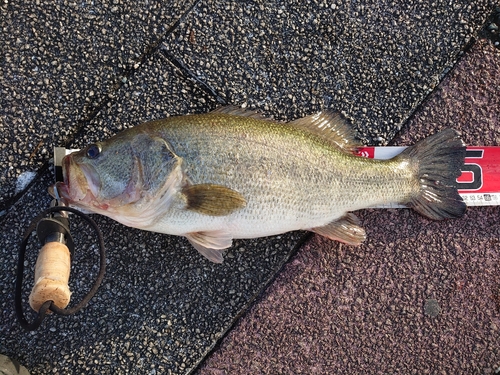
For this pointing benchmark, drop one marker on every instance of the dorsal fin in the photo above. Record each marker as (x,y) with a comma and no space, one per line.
(238,111)
(330,126)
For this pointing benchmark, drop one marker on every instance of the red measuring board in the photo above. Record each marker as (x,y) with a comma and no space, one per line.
(479,184)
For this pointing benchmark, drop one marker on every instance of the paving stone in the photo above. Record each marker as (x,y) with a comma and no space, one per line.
(419,296)
(61,62)
(71,76)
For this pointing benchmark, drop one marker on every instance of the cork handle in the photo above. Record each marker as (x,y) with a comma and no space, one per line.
(51,276)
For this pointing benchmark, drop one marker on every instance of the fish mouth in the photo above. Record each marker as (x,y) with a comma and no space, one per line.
(81,183)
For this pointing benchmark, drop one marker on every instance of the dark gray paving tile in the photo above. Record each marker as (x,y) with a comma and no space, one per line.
(60,63)
(374,61)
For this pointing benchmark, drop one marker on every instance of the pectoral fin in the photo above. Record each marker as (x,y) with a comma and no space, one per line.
(346,229)
(212,200)
(210,244)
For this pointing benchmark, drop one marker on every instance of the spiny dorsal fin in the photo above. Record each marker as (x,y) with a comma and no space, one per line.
(330,126)
(238,111)
(212,200)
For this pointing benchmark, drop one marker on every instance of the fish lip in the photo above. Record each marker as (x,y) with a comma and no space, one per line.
(75,188)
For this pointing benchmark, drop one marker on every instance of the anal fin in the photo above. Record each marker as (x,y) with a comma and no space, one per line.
(210,244)
(346,230)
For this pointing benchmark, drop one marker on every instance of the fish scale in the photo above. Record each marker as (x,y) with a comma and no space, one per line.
(293,181)
(232,174)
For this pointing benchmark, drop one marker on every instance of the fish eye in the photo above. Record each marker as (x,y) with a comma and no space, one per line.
(93,151)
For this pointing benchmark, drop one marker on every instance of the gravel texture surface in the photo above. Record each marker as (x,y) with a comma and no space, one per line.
(61,62)
(419,297)
(372,60)
(75,72)
(161,306)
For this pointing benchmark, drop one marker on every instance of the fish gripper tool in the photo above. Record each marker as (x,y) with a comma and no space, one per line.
(50,292)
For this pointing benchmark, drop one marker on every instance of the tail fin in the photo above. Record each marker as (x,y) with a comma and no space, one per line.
(440,158)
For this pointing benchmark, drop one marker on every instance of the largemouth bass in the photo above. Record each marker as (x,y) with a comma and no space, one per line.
(232,174)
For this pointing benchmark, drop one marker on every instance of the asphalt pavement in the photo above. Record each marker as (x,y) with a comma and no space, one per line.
(419,297)
(77,72)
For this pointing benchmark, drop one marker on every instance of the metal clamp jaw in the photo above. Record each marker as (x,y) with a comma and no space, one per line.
(55,228)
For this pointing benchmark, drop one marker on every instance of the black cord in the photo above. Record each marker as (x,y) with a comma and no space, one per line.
(49,305)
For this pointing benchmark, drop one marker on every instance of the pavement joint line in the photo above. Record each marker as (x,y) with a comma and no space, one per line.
(412,113)
(483,33)
(189,75)
(256,298)
(93,110)
(10,202)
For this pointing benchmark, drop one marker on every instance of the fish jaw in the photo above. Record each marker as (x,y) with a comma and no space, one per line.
(80,186)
